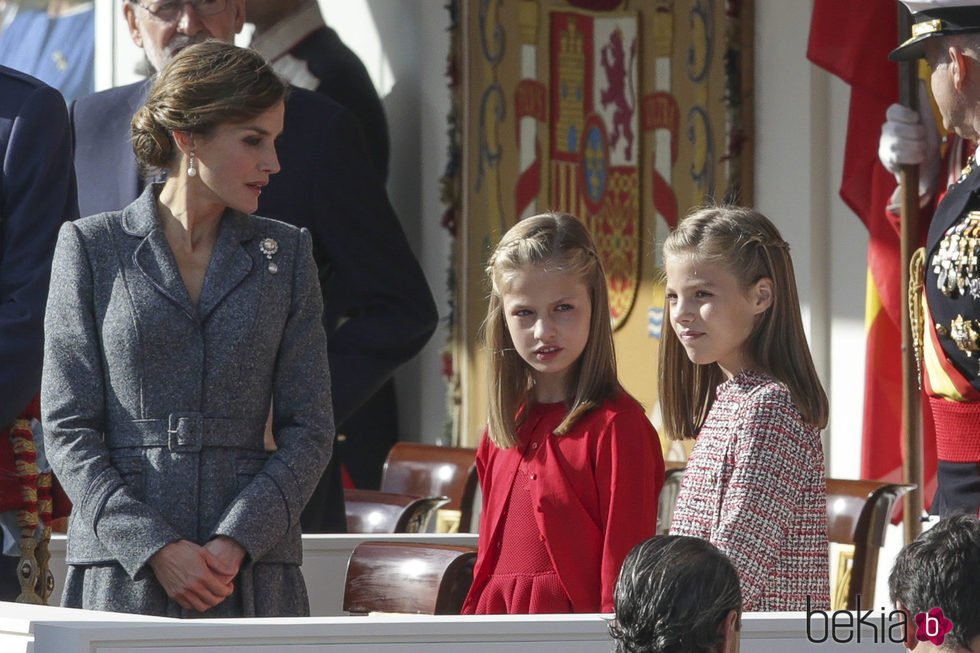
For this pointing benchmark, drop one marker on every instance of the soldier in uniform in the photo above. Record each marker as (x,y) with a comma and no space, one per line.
(37,194)
(946,313)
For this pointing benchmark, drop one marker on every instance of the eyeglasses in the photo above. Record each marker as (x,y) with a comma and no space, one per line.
(169,10)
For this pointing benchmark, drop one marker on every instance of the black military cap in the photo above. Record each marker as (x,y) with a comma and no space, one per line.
(934,18)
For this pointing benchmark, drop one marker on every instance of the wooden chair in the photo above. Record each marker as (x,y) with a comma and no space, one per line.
(408,577)
(371,511)
(432,470)
(673,475)
(857,514)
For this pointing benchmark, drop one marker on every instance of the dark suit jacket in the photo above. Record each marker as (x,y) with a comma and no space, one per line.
(343,78)
(378,310)
(366,437)
(37,194)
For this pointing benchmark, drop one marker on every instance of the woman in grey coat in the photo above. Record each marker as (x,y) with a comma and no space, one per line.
(170,328)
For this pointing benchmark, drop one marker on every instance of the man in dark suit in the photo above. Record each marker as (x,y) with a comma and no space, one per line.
(293,38)
(378,310)
(37,194)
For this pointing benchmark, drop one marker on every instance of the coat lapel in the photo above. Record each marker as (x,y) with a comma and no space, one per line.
(153,256)
(230,262)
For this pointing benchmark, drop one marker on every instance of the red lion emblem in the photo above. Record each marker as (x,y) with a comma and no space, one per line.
(620,91)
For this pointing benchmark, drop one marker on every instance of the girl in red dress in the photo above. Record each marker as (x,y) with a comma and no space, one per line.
(570,466)
(738,376)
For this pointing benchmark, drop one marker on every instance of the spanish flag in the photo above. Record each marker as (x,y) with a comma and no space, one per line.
(852,40)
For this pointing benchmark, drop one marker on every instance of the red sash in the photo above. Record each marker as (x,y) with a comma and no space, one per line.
(957,418)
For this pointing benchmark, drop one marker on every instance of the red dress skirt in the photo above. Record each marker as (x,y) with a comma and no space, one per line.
(524,579)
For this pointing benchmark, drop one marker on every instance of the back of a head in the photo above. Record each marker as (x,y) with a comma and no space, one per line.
(203,86)
(941,569)
(673,595)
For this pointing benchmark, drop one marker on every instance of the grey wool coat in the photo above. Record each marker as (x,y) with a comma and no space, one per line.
(154,409)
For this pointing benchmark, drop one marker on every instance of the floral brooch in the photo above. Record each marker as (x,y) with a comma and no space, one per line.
(269,247)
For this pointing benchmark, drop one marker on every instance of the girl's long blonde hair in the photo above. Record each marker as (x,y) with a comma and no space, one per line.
(562,243)
(745,242)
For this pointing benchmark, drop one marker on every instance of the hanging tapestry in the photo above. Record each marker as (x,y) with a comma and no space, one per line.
(625,113)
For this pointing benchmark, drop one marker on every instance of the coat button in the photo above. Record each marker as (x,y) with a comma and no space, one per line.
(533,477)
(534,445)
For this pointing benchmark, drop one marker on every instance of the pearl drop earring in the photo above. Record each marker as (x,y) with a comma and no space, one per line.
(191,169)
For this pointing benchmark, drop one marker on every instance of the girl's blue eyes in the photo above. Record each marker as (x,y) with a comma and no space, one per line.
(524,312)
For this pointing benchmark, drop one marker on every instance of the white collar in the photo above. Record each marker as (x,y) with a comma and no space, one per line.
(288,32)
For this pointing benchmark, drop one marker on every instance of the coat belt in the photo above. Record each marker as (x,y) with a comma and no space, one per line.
(185,433)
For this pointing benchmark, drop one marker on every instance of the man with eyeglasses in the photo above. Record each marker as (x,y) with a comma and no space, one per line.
(172,25)
(379,311)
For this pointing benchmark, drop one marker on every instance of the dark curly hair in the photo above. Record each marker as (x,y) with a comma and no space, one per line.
(672,595)
(940,568)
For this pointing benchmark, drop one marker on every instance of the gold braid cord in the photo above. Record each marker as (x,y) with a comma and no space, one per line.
(916,287)
(45,508)
(29,571)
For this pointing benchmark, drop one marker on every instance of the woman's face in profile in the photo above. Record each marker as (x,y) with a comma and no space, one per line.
(236,160)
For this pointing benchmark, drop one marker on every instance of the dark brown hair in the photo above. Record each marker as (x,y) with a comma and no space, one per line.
(205,85)
(939,569)
(672,595)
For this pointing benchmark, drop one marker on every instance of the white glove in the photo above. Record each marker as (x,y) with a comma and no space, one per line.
(907,140)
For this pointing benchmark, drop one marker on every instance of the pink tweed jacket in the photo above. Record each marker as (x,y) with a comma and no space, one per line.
(755,487)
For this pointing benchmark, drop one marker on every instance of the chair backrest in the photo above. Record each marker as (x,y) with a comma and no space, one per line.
(371,511)
(432,470)
(408,577)
(857,513)
(673,475)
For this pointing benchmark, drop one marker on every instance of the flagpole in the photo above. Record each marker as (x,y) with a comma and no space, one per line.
(911,412)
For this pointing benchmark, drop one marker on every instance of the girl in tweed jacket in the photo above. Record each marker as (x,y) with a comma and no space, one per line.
(739,378)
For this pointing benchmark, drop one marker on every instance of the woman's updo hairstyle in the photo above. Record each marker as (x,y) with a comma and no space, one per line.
(205,85)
